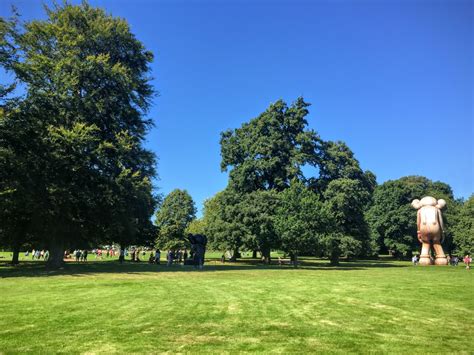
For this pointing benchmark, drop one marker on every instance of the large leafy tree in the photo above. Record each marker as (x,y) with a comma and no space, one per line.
(346,200)
(392,219)
(256,211)
(337,161)
(87,94)
(223,226)
(301,220)
(263,156)
(173,218)
(464,229)
(270,150)
(244,220)
(347,191)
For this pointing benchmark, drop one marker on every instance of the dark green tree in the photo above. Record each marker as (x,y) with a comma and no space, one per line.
(87,94)
(463,231)
(301,220)
(270,150)
(223,226)
(347,192)
(392,219)
(245,220)
(346,201)
(256,211)
(172,219)
(337,161)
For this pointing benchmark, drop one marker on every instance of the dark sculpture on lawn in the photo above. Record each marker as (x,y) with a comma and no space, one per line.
(198,248)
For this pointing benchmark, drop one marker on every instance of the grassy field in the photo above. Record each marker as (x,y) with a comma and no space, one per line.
(358,307)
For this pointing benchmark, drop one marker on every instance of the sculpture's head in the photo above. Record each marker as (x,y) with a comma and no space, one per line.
(428,201)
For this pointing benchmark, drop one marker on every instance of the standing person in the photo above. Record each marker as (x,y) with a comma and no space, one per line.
(180,256)
(151,259)
(467,261)
(170,257)
(137,256)
(37,255)
(77,254)
(157,256)
(185,255)
(84,255)
(132,255)
(122,255)
(42,254)
(414,260)
(46,255)
(33,254)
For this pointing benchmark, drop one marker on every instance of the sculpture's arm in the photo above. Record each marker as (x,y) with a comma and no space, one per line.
(418,223)
(441,224)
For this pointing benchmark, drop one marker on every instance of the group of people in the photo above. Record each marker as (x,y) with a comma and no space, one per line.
(38,254)
(452,260)
(176,256)
(79,255)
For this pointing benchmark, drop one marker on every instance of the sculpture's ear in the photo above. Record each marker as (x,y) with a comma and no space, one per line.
(441,203)
(416,204)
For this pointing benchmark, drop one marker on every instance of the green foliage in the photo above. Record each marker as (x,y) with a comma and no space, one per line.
(236,220)
(347,192)
(173,218)
(256,211)
(87,94)
(196,226)
(464,228)
(223,227)
(393,220)
(346,200)
(269,151)
(300,220)
(337,161)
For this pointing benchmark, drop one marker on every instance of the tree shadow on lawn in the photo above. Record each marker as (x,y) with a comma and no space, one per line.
(38,269)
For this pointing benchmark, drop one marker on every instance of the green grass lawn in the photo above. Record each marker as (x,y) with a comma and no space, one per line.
(378,306)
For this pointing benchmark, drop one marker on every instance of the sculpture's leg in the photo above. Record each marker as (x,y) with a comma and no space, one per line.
(440,257)
(425,254)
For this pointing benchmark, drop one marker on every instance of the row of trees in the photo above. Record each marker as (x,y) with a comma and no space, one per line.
(270,204)
(73,170)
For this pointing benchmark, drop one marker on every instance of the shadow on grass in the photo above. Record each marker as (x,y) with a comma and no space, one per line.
(38,269)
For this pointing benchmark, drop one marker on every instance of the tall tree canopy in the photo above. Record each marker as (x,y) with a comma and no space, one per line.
(87,94)
(270,150)
(347,192)
(392,219)
(173,218)
(464,228)
(242,220)
(301,220)
(223,227)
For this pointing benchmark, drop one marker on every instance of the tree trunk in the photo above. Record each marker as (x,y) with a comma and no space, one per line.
(334,258)
(16,254)
(235,255)
(266,256)
(56,255)
(295,260)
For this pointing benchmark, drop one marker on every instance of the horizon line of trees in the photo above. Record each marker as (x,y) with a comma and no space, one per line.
(74,171)
(269,204)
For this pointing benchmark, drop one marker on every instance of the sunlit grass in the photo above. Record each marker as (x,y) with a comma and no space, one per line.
(380,306)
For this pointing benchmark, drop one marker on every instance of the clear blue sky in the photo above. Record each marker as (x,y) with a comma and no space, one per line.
(386,77)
